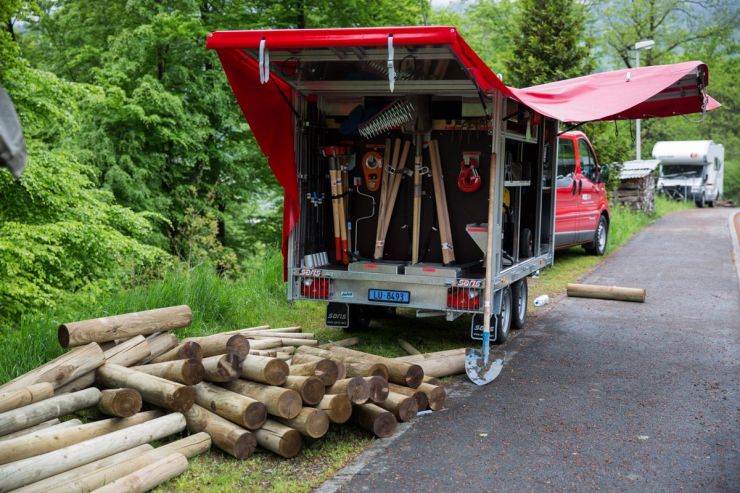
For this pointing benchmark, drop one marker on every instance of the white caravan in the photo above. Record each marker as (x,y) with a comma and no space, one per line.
(691,170)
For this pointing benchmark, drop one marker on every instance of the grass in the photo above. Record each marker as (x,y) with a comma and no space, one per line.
(259,298)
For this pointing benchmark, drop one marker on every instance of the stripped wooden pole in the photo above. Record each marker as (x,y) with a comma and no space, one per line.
(237,408)
(229,437)
(160,343)
(310,422)
(279,438)
(184,371)
(311,389)
(279,401)
(375,419)
(337,406)
(52,424)
(149,476)
(356,388)
(121,403)
(13,399)
(54,407)
(155,390)
(223,368)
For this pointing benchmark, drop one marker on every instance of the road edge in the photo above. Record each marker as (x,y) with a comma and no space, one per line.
(735,242)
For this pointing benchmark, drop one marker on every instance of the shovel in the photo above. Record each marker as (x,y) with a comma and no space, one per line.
(479,366)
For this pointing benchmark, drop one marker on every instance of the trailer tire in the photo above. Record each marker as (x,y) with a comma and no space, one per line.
(519,300)
(505,316)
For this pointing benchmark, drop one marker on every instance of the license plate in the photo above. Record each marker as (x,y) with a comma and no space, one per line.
(388,296)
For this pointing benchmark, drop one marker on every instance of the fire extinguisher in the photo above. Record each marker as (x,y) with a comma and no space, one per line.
(469,180)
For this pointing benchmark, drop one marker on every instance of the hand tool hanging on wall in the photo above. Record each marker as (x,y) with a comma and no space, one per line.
(391,116)
(469,180)
(372,169)
(394,182)
(338,195)
(416,218)
(385,186)
(440,200)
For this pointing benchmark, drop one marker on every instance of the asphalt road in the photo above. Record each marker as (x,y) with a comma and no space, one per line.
(599,395)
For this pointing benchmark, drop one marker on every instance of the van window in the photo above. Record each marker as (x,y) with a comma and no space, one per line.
(566,158)
(588,161)
(716,163)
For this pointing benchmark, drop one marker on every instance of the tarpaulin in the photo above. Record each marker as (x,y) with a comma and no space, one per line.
(646,92)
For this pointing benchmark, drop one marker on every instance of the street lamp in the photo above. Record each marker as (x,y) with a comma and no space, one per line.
(646,44)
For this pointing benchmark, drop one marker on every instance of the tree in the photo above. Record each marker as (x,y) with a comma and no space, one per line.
(549,43)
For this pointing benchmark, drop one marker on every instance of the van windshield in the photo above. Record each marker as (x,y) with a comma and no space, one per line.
(689,170)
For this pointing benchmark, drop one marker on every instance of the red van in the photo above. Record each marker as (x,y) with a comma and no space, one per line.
(581,207)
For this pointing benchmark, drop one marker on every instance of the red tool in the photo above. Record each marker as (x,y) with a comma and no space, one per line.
(372,168)
(469,180)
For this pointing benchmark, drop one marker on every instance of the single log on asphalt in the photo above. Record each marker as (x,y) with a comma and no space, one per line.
(149,476)
(403,407)
(159,344)
(606,292)
(13,399)
(324,369)
(184,350)
(356,388)
(154,390)
(124,326)
(54,407)
(415,358)
(61,370)
(337,406)
(27,471)
(279,401)
(422,401)
(44,441)
(400,372)
(216,344)
(237,408)
(229,437)
(310,422)
(52,424)
(271,371)
(128,353)
(378,388)
(120,403)
(92,475)
(280,439)
(311,389)
(374,419)
(436,395)
(184,371)
(223,368)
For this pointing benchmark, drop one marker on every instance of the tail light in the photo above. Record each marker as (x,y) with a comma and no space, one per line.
(315,288)
(463,298)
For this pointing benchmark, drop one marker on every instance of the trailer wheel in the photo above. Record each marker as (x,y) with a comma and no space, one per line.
(359,318)
(519,299)
(504,318)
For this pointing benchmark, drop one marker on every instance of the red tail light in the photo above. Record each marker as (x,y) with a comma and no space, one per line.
(316,288)
(463,299)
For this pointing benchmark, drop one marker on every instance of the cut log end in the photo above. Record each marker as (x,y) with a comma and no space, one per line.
(289,404)
(276,372)
(414,376)
(183,399)
(192,372)
(63,335)
(244,446)
(378,388)
(407,409)
(121,403)
(317,423)
(337,406)
(290,444)
(190,350)
(239,345)
(255,415)
(313,391)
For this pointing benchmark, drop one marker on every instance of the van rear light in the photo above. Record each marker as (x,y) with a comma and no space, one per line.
(463,298)
(315,288)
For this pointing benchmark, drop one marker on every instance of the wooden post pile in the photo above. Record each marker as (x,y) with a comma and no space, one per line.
(239,389)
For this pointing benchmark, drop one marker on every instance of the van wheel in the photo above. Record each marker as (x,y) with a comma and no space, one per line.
(598,245)
(504,318)
(700,203)
(359,318)
(710,203)
(519,298)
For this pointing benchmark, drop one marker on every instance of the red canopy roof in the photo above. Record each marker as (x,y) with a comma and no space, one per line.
(646,92)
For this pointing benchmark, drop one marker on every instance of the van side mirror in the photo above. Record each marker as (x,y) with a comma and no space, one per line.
(603,173)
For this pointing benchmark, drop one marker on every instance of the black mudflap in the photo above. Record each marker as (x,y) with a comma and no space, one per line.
(337,315)
(476,327)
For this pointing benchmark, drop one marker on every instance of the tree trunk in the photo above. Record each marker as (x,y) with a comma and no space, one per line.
(237,408)
(184,371)
(227,436)
(41,411)
(280,439)
(337,406)
(120,403)
(356,388)
(23,397)
(311,389)
(374,419)
(310,422)
(279,401)
(154,390)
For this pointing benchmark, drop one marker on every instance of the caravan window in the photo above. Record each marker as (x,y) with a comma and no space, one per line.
(681,170)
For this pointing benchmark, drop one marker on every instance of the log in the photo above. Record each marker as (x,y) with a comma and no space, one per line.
(422,401)
(26,471)
(408,347)
(121,403)
(217,344)
(374,419)
(445,366)
(189,446)
(436,395)
(404,408)
(265,344)
(338,407)
(415,358)
(350,341)
(280,335)
(250,329)
(229,437)
(129,352)
(52,424)
(149,476)
(378,388)
(124,326)
(432,380)
(399,372)
(280,439)
(290,341)
(54,407)
(279,401)
(224,368)
(606,292)
(354,366)
(311,389)
(184,371)
(184,350)
(154,390)
(159,344)
(271,371)
(356,388)
(45,441)
(324,369)
(310,422)
(61,370)
(13,399)
(237,408)
(286,349)
(263,352)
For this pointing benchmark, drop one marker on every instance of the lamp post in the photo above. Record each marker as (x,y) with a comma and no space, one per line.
(640,45)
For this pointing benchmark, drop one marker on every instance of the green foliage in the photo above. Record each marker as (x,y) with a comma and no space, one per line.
(549,42)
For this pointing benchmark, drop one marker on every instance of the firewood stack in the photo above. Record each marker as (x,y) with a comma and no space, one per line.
(260,386)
